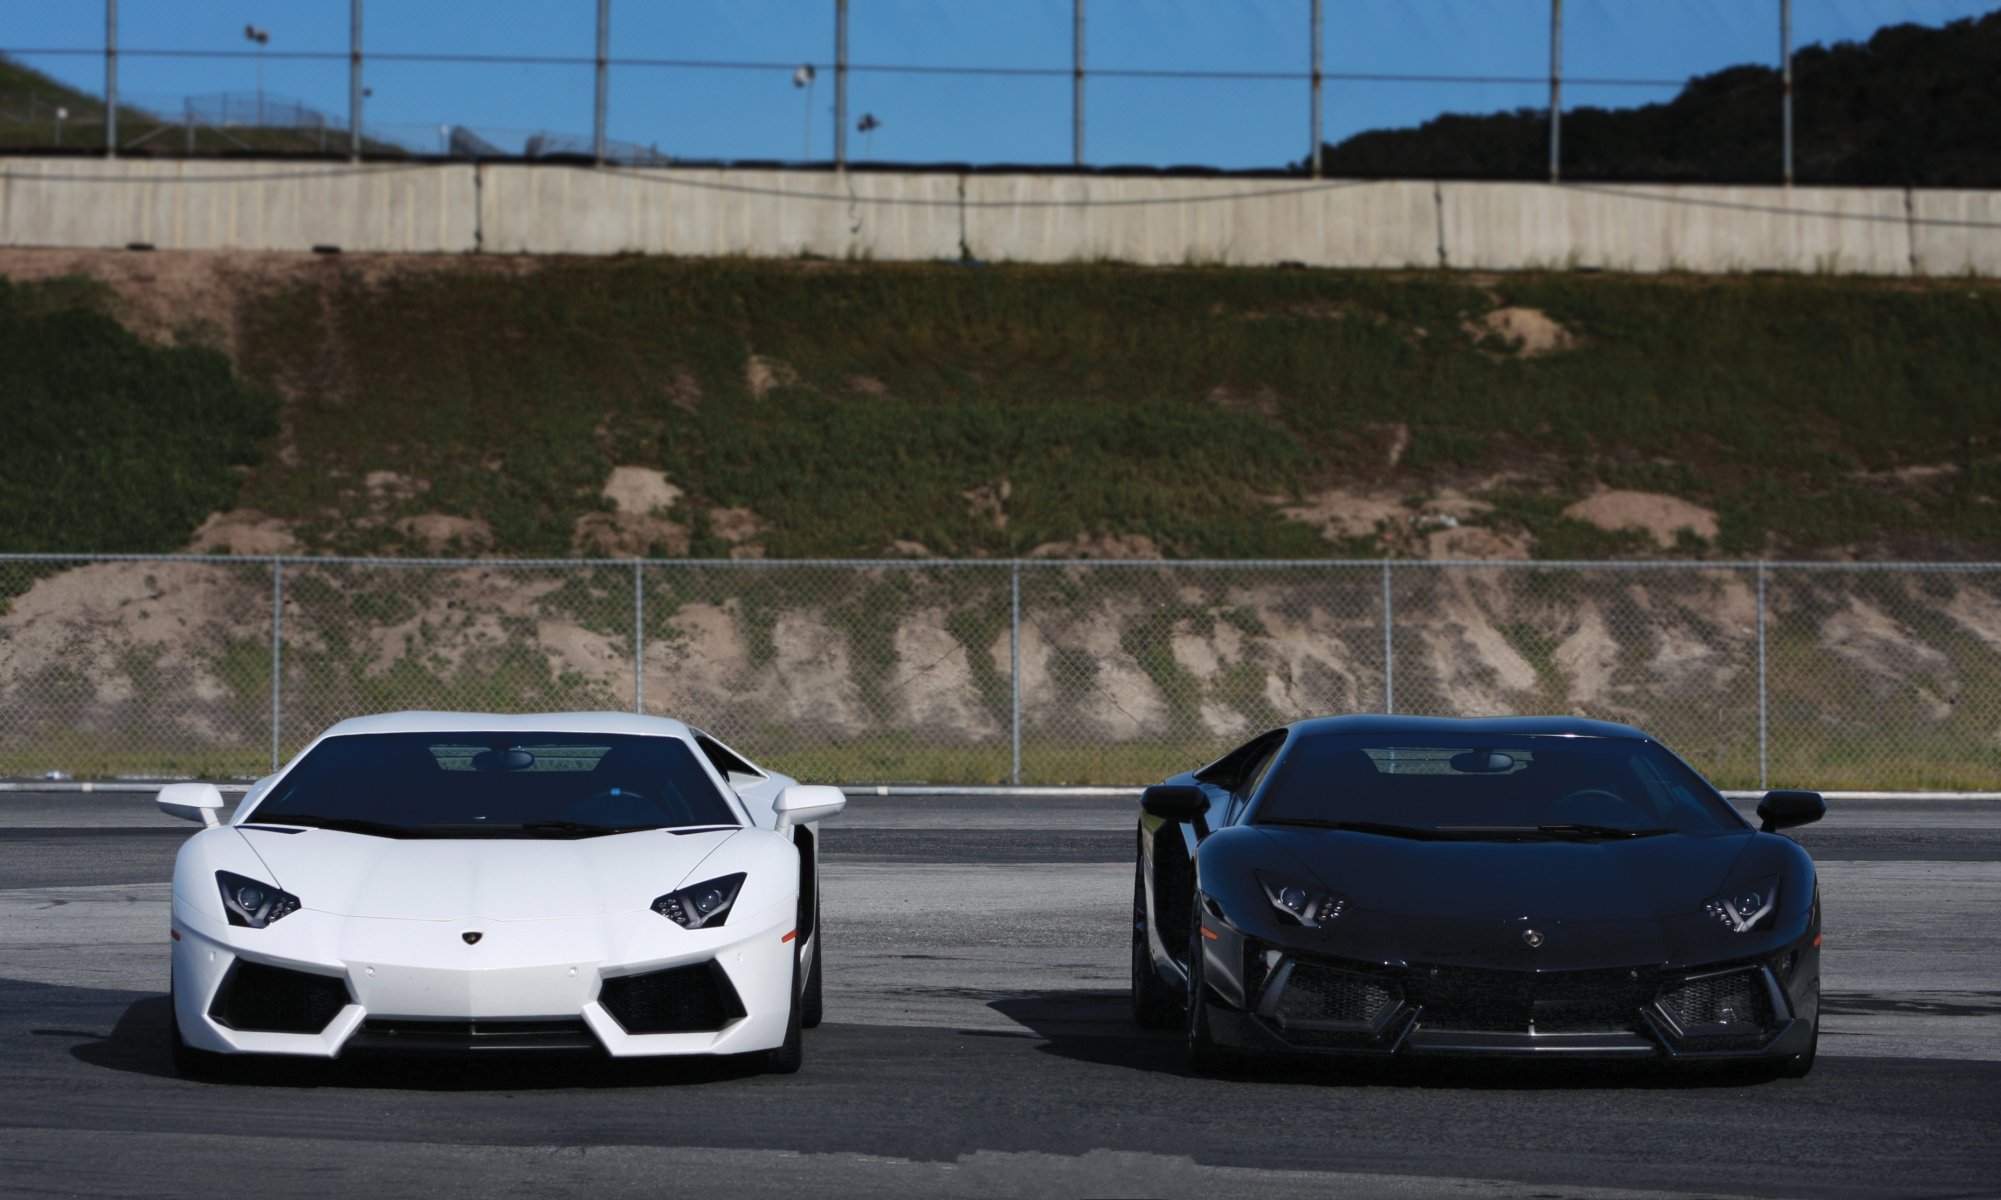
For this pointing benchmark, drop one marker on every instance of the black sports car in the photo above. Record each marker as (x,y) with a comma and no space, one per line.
(1404,886)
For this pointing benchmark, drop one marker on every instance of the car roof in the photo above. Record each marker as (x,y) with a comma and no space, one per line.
(1381,723)
(477,722)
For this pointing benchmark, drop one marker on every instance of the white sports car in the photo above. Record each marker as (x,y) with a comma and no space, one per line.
(422,882)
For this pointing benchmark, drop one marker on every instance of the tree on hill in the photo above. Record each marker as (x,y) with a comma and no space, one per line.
(1912,106)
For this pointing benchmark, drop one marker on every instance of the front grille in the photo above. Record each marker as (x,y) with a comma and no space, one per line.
(1731,1002)
(1321,995)
(1483,1000)
(693,999)
(255,998)
(405,1036)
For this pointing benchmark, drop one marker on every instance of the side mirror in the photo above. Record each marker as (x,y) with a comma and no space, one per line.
(1783,810)
(805,803)
(1177,802)
(191,802)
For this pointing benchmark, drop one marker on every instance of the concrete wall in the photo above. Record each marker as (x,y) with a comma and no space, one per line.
(518,209)
(180,205)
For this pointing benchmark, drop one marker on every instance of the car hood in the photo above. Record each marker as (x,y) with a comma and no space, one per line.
(494,879)
(1637,879)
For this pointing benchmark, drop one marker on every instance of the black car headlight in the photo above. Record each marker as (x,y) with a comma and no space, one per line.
(1308,906)
(251,904)
(701,905)
(1741,909)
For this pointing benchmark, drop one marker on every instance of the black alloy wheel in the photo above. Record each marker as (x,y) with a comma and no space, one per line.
(811,1005)
(1205,1056)
(1155,1005)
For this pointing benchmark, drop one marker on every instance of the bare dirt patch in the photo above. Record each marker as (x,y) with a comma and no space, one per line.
(243,531)
(762,374)
(438,532)
(1340,514)
(1263,401)
(988,502)
(1100,545)
(640,490)
(1661,517)
(1529,331)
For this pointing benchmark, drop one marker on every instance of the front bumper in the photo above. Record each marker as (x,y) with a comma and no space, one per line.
(1731,1011)
(628,985)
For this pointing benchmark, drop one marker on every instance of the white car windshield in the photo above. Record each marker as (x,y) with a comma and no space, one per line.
(511,785)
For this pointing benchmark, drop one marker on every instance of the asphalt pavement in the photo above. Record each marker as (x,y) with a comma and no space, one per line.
(977,1044)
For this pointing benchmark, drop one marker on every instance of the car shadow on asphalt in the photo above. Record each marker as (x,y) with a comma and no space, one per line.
(140,1043)
(1096,1026)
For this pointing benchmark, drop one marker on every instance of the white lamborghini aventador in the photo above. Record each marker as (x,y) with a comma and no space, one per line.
(424,882)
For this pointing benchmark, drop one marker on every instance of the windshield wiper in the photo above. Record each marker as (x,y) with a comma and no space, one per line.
(353,825)
(1574,832)
(1382,827)
(509,828)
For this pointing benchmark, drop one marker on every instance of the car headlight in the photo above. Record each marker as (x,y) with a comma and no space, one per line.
(1309,906)
(701,905)
(1740,909)
(251,904)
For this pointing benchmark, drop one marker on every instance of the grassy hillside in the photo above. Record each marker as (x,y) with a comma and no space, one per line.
(809,409)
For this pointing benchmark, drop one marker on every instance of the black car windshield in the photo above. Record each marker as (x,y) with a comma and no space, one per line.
(519,785)
(1491,787)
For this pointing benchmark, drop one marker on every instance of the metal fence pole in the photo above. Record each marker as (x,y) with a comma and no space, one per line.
(639,635)
(1786,85)
(840,85)
(1764,779)
(1555,91)
(1014,673)
(1389,646)
(1316,88)
(111,78)
(1077,84)
(354,80)
(277,655)
(604,52)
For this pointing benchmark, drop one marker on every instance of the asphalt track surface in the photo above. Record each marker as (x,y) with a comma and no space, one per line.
(977,1044)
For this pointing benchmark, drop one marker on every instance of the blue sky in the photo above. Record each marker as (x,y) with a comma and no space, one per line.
(927,118)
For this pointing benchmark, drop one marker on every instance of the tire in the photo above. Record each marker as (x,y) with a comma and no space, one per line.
(1205,1057)
(791,1053)
(190,1063)
(1155,1005)
(810,1005)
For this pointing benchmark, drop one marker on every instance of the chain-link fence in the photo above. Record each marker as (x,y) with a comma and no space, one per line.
(1268,85)
(1809,674)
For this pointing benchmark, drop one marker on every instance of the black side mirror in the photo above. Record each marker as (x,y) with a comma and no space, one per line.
(1179,802)
(1783,810)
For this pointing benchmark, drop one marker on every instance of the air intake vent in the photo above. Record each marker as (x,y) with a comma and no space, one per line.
(255,998)
(693,999)
(1317,995)
(1732,1003)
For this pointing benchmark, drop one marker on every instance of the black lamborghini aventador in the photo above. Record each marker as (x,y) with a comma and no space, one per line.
(1405,886)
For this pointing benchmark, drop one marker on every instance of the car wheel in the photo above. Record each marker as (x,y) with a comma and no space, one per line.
(810,1004)
(1155,1005)
(1205,1057)
(1799,1064)
(786,1059)
(190,1063)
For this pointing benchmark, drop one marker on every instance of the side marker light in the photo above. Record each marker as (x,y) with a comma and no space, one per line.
(1816,939)
(176,934)
(1211,934)
(788,937)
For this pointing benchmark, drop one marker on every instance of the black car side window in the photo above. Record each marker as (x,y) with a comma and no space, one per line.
(1254,773)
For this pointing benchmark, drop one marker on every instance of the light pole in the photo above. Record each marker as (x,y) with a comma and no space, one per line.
(262,37)
(867,127)
(803,78)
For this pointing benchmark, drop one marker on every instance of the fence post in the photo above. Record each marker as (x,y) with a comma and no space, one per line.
(277,654)
(1316,89)
(1014,672)
(111,78)
(639,635)
(604,52)
(1555,91)
(1077,84)
(354,80)
(1786,85)
(1389,646)
(840,85)
(1763,728)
